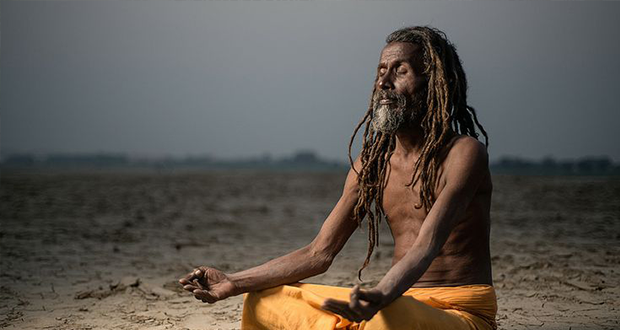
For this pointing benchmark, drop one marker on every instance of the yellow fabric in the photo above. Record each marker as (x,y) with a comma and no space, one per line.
(298,306)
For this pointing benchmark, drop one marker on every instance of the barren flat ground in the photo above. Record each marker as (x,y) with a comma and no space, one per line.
(104,249)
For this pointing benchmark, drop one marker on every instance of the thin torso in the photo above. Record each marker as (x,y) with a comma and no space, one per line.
(465,257)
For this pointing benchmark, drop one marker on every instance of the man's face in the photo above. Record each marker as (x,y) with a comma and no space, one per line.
(400,95)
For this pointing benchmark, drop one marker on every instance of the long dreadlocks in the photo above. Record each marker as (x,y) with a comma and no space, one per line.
(446,113)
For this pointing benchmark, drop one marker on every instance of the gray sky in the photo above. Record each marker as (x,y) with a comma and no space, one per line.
(247,78)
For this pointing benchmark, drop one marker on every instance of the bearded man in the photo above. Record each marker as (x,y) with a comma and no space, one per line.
(421,168)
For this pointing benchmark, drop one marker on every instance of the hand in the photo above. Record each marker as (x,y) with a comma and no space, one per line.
(208,284)
(363,305)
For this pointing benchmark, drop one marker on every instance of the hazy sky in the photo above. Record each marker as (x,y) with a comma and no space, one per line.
(244,78)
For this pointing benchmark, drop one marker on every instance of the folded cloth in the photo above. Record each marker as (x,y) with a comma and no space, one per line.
(298,306)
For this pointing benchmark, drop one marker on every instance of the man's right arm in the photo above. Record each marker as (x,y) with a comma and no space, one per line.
(310,260)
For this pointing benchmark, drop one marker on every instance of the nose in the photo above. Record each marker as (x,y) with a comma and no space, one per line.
(385,82)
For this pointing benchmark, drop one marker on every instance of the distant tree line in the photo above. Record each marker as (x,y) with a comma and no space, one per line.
(549,166)
(304,159)
(300,160)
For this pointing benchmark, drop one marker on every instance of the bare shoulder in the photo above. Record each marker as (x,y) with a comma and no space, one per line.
(466,149)
(466,159)
(351,182)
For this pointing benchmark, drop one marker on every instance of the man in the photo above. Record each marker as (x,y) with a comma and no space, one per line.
(422,168)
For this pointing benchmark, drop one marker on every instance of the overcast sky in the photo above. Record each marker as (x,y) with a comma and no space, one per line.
(247,78)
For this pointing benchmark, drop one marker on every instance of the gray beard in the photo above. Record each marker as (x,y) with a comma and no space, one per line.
(388,118)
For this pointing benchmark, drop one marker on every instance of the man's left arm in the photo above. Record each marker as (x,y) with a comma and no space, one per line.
(466,167)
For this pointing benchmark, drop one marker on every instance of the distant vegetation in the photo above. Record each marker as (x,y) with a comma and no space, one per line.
(301,160)
(306,160)
(550,166)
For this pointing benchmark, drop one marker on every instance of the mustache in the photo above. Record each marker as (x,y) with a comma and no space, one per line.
(387,118)
(389,95)
(416,102)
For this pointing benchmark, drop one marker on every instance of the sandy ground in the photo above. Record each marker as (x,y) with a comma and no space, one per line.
(103,250)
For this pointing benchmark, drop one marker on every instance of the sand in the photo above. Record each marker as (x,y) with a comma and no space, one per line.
(104,249)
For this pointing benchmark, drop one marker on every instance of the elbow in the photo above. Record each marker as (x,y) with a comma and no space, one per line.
(326,263)
(322,268)
(321,260)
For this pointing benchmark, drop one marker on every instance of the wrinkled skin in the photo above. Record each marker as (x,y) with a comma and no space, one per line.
(208,284)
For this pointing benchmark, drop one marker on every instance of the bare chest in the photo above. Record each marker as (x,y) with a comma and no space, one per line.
(402,204)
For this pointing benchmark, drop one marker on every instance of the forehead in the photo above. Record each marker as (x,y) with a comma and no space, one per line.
(399,52)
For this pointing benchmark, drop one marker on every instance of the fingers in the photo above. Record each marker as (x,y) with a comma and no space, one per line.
(355,303)
(187,278)
(191,288)
(362,307)
(194,283)
(357,292)
(204,295)
(193,275)
(199,285)
(196,274)
(341,308)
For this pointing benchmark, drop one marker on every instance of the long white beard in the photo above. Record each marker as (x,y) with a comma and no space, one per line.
(387,120)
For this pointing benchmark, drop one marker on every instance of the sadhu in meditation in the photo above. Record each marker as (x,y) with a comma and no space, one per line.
(422,168)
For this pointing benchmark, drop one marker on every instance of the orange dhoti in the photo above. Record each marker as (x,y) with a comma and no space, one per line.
(298,306)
